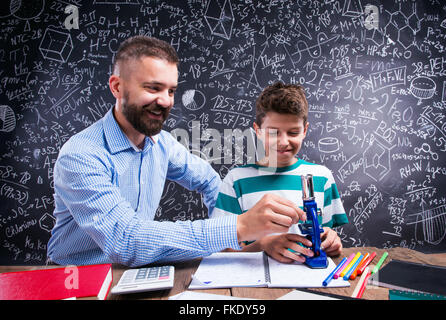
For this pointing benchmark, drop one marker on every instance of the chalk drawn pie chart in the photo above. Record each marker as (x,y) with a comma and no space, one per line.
(193,99)
(7,119)
(5,11)
(26,9)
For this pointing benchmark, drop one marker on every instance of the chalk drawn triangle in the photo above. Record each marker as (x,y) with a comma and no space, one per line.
(352,8)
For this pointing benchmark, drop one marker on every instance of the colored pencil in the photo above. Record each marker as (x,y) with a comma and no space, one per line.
(366,263)
(350,258)
(355,272)
(330,276)
(353,267)
(380,262)
(364,284)
(347,268)
(360,282)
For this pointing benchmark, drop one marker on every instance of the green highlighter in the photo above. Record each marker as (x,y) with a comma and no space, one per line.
(380,262)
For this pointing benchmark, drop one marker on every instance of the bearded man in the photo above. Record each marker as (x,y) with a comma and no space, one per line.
(109,178)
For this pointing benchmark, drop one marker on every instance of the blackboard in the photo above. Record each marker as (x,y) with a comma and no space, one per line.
(374,73)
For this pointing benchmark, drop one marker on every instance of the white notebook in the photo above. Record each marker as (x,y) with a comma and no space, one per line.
(256,269)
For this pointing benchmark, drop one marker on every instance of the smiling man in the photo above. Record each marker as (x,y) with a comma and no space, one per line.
(109,178)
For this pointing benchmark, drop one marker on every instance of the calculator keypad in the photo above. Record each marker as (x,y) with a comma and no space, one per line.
(145,279)
(146,275)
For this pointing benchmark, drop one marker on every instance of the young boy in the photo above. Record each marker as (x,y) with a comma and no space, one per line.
(281,124)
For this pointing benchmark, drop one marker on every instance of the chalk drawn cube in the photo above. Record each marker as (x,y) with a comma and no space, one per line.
(220,18)
(56,45)
(376,161)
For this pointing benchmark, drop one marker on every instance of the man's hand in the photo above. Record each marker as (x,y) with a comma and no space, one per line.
(331,243)
(272,214)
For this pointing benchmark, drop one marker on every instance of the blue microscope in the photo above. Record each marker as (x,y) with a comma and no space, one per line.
(311,228)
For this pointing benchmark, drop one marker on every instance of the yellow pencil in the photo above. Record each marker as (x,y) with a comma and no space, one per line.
(347,268)
(355,272)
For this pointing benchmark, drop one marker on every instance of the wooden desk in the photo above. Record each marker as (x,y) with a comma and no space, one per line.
(371,293)
(185,269)
(183,276)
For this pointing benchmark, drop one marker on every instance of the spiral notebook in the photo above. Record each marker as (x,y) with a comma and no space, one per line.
(256,269)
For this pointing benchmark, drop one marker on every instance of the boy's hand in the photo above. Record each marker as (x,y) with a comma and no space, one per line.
(272,214)
(331,243)
(276,246)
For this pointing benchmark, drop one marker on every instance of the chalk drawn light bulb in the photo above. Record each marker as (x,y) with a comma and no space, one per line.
(7,119)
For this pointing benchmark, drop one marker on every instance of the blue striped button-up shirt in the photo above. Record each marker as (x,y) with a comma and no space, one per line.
(107,192)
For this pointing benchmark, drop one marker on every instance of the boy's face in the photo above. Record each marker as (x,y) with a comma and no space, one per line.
(282,136)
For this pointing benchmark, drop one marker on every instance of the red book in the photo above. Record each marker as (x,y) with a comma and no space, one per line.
(92,282)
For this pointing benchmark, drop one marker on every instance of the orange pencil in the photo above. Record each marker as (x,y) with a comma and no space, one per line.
(366,263)
(355,272)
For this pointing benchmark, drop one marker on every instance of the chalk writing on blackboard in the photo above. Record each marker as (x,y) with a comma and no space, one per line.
(374,74)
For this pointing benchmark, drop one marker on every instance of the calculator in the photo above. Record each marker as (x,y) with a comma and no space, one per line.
(145,279)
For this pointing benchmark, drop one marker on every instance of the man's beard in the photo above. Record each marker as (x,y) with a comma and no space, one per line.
(138,118)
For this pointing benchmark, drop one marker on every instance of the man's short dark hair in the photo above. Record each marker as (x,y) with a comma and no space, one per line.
(282,98)
(142,46)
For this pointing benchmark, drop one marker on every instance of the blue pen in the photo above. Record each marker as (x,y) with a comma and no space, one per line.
(349,273)
(330,276)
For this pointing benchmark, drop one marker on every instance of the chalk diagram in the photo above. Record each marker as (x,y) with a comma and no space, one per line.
(193,99)
(377,160)
(315,50)
(422,88)
(432,223)
(352,8)
(376,36)
(7,119)
(220,18)
(426,148)
(22,9)
(402,28)
(328,145)
(56,45)
(47,222)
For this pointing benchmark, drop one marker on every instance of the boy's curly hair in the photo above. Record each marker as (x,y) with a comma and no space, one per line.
(282,98)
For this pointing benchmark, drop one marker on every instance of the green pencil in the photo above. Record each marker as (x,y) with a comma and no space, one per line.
(380,262)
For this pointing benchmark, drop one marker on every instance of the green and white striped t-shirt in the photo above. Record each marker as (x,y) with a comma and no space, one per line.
(244,186)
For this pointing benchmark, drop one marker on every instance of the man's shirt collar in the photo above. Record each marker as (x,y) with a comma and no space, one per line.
(116,138)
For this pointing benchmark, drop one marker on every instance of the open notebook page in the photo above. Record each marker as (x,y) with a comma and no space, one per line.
(298,275)
(230,269)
